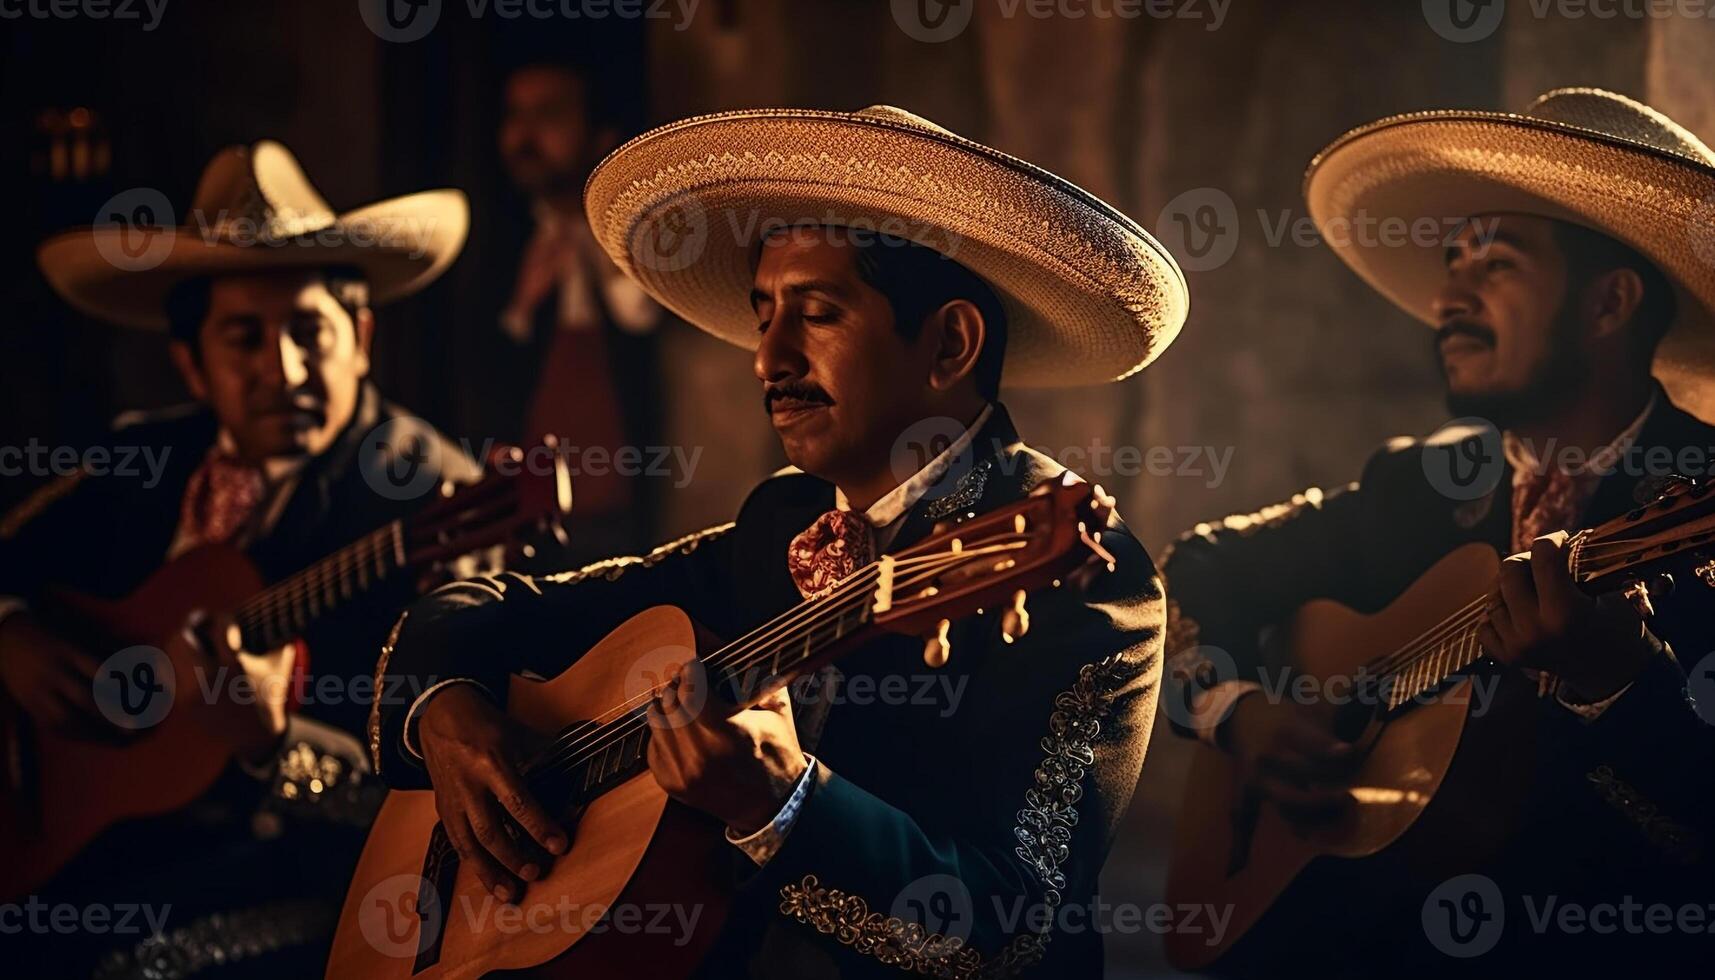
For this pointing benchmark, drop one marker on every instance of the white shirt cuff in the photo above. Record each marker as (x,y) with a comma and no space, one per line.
(423,699)
(765,843)
(1593,710)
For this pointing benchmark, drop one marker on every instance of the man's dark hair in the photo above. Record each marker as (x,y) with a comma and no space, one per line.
(918,280)
(187,302)
(1590,253)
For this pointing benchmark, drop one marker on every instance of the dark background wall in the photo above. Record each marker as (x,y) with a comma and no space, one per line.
(1288,363)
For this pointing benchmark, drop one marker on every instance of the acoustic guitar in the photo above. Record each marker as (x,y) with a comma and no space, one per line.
(1436,785)
(413,912)
(60,792)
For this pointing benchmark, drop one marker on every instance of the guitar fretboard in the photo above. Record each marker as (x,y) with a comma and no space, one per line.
(283,611)
(1430,661)
(593,757)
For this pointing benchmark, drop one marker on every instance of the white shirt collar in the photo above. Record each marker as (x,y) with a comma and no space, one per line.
(893,507)
(1525,460)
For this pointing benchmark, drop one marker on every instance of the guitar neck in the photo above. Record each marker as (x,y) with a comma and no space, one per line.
(1433,659)
(592,757)
(285,610)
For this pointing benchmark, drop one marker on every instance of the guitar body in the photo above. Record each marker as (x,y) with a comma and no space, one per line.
(1232,851)
(60,792)
(631,847)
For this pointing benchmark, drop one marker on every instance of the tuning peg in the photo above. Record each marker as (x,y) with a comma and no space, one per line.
(1015,620)
(1637,593)
(1101,499)
(937,648)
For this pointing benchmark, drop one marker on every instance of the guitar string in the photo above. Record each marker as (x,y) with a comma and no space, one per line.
(597,741)
(1430,642)
(280,601)
(568,748)
(840,602)
(616,725)
(1460,621)
(807,611)
(1429,639)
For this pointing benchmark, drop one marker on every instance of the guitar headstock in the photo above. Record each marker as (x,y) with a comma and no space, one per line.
(1665,545)
(991,560)
(522,491)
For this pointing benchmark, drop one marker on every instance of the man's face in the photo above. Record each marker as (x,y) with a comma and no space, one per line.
(545,138)
(839,382)
(1507,346)
(280,362)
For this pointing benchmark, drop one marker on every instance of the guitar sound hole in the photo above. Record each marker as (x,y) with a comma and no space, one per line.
(1353,719)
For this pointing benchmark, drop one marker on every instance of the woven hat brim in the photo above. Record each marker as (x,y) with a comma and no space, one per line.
(1090,297)
(400,245)
(1446,166)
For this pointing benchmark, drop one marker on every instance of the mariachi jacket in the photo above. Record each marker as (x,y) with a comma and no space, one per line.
(992,788)
(253,873)
(104,534)
(1623,804)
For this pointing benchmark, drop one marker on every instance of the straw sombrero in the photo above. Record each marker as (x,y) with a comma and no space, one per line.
(1089,296)
(254,210)
(1581,155)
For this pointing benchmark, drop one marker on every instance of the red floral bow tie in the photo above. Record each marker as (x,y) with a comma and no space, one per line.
(834,547)
(221,499)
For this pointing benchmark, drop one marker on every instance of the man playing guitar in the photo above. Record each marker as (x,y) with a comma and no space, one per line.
(1549,308)
(879,832)
(286,455)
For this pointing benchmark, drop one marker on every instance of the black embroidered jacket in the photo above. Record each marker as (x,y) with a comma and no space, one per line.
(956,815)
(1622,805)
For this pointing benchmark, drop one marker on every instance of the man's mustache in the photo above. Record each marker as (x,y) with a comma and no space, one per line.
(1464,328)
(799,391)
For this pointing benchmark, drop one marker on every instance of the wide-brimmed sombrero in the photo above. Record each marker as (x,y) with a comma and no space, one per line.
(1581,155)
(254,210)
(1089,295)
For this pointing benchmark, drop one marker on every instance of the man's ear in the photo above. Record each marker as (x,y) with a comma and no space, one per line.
(189,368)
(363,323)
(959,334)
(1614,297)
